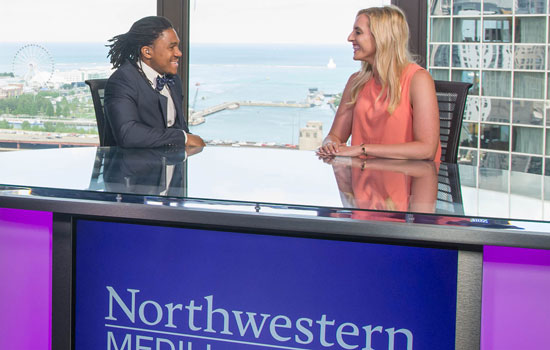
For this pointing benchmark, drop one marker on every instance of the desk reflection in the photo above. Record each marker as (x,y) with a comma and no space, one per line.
(142,171)
(386,185)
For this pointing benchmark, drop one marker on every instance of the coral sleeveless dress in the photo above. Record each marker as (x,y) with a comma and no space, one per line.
(372,124)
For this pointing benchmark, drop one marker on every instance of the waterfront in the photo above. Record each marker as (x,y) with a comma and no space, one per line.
(227,73)
(275,73)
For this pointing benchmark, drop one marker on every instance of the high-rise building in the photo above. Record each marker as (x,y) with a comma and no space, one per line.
(501,47)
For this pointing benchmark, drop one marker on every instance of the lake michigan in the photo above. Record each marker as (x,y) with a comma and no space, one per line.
(221,73)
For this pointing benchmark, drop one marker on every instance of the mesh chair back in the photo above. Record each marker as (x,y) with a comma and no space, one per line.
(449,194)
(97,88)
(451,97)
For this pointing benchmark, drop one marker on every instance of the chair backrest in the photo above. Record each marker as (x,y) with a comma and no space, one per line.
(97,87)
(449,193)
(451,97)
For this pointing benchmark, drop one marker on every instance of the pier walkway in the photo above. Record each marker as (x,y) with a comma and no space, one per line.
(197,117)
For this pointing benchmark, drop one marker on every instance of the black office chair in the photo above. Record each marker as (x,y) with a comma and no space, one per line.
(449,193)
(97,87)
(451,97)
(449,199)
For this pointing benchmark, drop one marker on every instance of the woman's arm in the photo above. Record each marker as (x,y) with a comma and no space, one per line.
(413,168)
(423,176)
(425,126)
(341,126)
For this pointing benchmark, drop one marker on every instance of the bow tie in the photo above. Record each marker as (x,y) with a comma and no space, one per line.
(162,81)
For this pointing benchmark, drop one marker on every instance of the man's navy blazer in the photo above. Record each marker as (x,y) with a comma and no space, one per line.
(131,170)
(137,113)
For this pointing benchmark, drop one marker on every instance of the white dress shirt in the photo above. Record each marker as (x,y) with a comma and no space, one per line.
(152,75)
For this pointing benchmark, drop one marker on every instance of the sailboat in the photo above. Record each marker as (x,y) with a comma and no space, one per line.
(331,64)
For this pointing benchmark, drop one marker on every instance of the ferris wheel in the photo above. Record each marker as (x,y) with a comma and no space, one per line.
(33,64)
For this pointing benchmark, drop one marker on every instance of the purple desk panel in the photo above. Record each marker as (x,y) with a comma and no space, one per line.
(25,279)
(516,299)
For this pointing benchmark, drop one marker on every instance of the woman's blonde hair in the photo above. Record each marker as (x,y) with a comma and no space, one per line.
(390,30)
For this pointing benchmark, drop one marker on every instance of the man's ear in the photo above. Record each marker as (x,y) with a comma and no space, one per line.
(146,52)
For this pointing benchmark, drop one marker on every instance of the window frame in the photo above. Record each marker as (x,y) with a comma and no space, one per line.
(416,12)
(177,11)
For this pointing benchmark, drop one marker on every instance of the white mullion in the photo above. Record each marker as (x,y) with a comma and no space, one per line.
(512,77)
(512,106)
(428,34)
(544,140)
(481,70)
(451,43)
(512,98)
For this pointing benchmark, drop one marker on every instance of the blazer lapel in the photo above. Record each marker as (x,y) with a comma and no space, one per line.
(163,102)
(180,121)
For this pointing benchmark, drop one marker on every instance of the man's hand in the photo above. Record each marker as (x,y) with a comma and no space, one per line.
(194,141)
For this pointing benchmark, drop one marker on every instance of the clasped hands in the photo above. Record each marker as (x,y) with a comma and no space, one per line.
(333,149)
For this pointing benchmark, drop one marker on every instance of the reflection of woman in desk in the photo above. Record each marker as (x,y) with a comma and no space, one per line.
(389,107)
(386,185)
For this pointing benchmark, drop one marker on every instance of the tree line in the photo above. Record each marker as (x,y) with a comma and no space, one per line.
(49,127)
(39,104)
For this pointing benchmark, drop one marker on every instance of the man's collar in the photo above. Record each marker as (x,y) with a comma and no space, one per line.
(149,72)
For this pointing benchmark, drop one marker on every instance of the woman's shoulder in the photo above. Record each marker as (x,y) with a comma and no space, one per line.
(413,72)
(353,76)
(421,75)
(411,69)
(352,80)
(421,81)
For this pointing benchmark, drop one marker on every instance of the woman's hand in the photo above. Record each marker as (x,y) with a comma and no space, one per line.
(349,151)
(335,149)
(329,148)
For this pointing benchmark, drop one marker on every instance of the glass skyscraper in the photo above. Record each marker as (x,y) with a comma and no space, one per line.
(501,47)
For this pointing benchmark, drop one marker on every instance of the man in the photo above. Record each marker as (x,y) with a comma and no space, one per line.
(149,171)
(143,98)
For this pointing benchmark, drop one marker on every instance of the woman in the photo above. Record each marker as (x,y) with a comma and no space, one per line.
(395,186)
(389,107)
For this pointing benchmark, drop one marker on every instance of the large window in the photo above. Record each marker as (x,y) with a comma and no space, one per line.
(269,73)
(501,47)
(47,50)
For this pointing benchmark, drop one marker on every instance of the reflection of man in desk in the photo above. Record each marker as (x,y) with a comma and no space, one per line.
(386,185)
(145,171)
(143,98)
